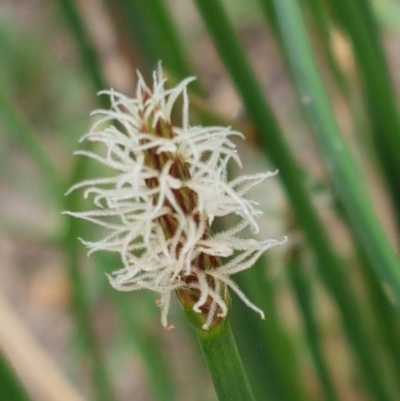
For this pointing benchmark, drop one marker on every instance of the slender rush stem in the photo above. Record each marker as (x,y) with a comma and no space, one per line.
(286,375)
(158,375)
(87,51)
(11,388)
(18,128)
(79,301)
(224,363)
(350,188)
(358,19)
(303,292)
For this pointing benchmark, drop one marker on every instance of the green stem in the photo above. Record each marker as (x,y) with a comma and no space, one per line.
(18,128)
(303,292)
(259,361)
(85,47)
(158,373)
(80,302)
(152,31)
(358,20)
(224,363)
(11,388)
(322,24)
(286,368)
(350,188)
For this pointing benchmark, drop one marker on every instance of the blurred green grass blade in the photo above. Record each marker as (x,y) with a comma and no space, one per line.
(153,32)
(322,23)
(168,41)
(11,388)
(257,354)
(79,296)
(386,319)
(272,141)
(224,363)
(80,304)
(262,292)
(314,98)
(303,292)
(80,307)
(87,52)
(350,188)
(133,26)
(359,22)
(388,14)
(158,372)
(18,128)
(287,372)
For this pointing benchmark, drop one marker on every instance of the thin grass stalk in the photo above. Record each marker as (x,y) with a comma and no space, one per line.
(223,360)
(303,292)
(79,297)
(152,31)
(365,225)
(158,372)
(359,22)
(167,38)
(351,190)
(282,354)
(79,300)
(11,388)
(258,354)
(87,51)
(133,325)
(272,141)
(386,320)
(322,24)
(132,16)
(18,128)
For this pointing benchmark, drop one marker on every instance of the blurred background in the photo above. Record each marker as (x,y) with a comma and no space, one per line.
(64,334)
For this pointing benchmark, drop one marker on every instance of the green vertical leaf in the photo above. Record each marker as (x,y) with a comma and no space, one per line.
(303,293)
(358,21)
(337,157)
(11,388)
(350,188)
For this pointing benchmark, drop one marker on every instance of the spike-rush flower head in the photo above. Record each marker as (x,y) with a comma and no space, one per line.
(170,183)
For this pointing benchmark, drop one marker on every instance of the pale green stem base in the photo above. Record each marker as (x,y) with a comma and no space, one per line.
(224,363)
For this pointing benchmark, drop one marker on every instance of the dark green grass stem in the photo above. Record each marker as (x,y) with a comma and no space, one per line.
(258,286)
(387,324)
(18,128)
(257,353)
(322,24)
(134,323)
(272,141)
(303,293)
(224,363)
(358,20)
(152,31)
(11,388)
(80,301)
(87,52)
(337,157)
(146,343)
(386,319)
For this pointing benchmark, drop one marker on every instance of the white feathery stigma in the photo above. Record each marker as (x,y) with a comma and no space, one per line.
(169,185)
